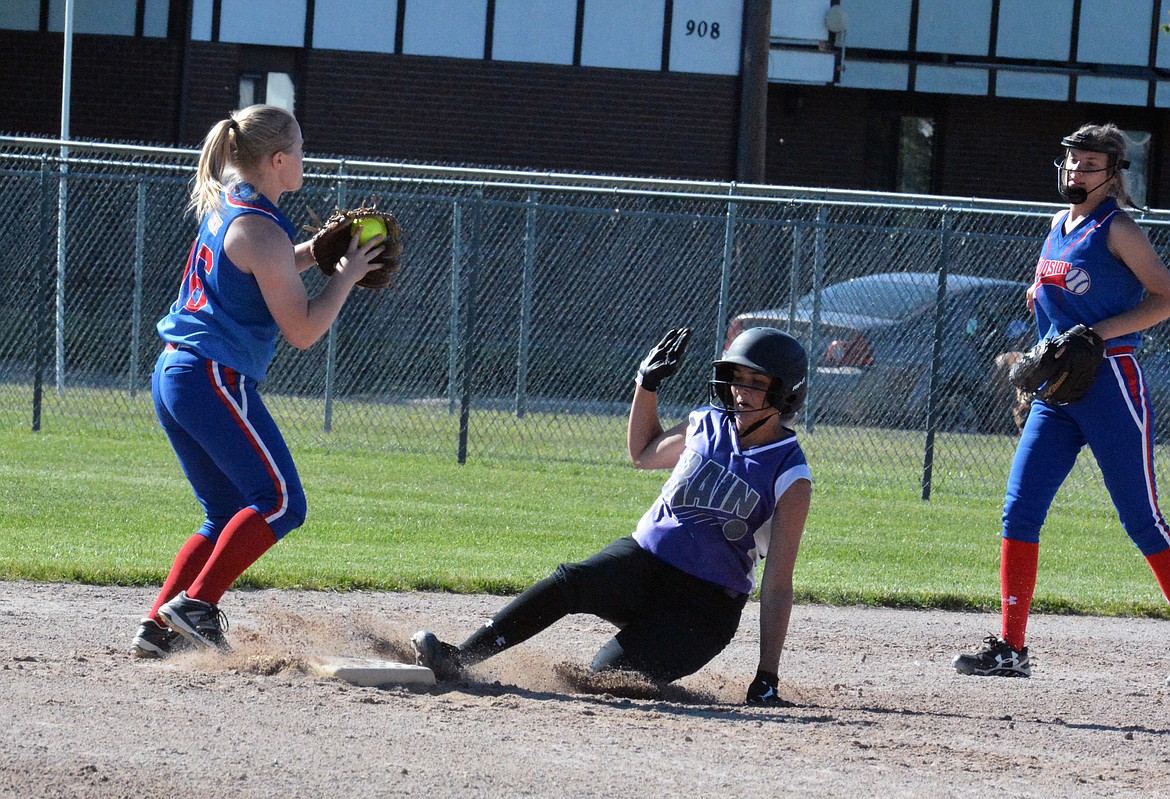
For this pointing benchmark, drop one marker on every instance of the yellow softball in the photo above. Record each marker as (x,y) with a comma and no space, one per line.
(368,227)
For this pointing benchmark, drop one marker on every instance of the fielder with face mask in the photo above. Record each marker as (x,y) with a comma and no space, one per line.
(1097,269)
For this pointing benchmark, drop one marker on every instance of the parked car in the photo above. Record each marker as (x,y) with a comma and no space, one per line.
(871,349)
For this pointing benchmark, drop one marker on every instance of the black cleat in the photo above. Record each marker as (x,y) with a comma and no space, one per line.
(439,657)
(155,641)
(997,659)
(201,623)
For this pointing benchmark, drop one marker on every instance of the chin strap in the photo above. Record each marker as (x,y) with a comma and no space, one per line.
(1077,194)
(754,426)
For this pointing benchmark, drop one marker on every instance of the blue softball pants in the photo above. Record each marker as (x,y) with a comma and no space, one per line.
(228,444)
(1116,421)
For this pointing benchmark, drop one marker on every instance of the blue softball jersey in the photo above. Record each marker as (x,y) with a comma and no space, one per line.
(220,313)
(1079,281)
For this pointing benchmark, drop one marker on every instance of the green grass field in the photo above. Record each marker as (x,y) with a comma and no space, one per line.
(112,508)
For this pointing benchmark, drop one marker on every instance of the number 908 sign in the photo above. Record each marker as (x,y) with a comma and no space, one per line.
(702,28)
(705,36)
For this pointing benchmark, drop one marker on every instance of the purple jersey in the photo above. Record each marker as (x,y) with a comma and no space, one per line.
(713,516)
(220,313)
(1079,281)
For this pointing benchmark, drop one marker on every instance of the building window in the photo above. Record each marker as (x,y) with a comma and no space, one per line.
(251,87)
(100,17)
(915,155)
(273,88)
(278,23)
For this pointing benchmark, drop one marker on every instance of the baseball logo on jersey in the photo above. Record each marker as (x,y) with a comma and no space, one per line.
(1051,272)
(1077,280)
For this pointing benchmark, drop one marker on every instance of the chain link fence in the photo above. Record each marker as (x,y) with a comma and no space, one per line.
(526,301)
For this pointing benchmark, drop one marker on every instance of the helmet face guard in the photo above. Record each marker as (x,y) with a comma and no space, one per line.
(1078,194)
(719,390)
(770,352)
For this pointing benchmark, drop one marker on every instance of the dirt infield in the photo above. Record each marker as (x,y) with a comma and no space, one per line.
(878,712)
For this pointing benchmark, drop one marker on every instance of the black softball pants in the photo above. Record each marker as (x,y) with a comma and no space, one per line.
(670,624)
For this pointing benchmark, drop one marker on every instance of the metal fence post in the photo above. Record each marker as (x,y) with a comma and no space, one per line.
(331,341)
(794,274)
(136,309)
(62,246)
(526,289)
(944,256)
(453,325)
(469,328)
(725,277)
(44,300)
(814,332)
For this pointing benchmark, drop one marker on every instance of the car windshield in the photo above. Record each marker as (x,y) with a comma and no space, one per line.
(882,298)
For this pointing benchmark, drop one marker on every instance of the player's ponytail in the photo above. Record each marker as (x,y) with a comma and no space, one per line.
(236,147)
(209,175)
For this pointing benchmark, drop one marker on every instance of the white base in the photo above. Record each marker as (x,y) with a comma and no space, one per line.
(370,672)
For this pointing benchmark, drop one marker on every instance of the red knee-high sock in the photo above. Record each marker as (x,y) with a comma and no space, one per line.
(1017,580)
(243,540)
(1160,563)
(188,563)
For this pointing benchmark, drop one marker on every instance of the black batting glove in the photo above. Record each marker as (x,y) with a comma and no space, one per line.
(762,691)
(664,360)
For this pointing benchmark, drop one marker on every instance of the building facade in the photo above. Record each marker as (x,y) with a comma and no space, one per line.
(953,97)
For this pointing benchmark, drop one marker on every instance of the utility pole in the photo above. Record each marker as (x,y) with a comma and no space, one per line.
(753,92)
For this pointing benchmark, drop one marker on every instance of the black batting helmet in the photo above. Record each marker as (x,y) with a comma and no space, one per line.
(767,350)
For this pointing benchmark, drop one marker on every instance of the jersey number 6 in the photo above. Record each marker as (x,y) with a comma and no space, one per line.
(200,262)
